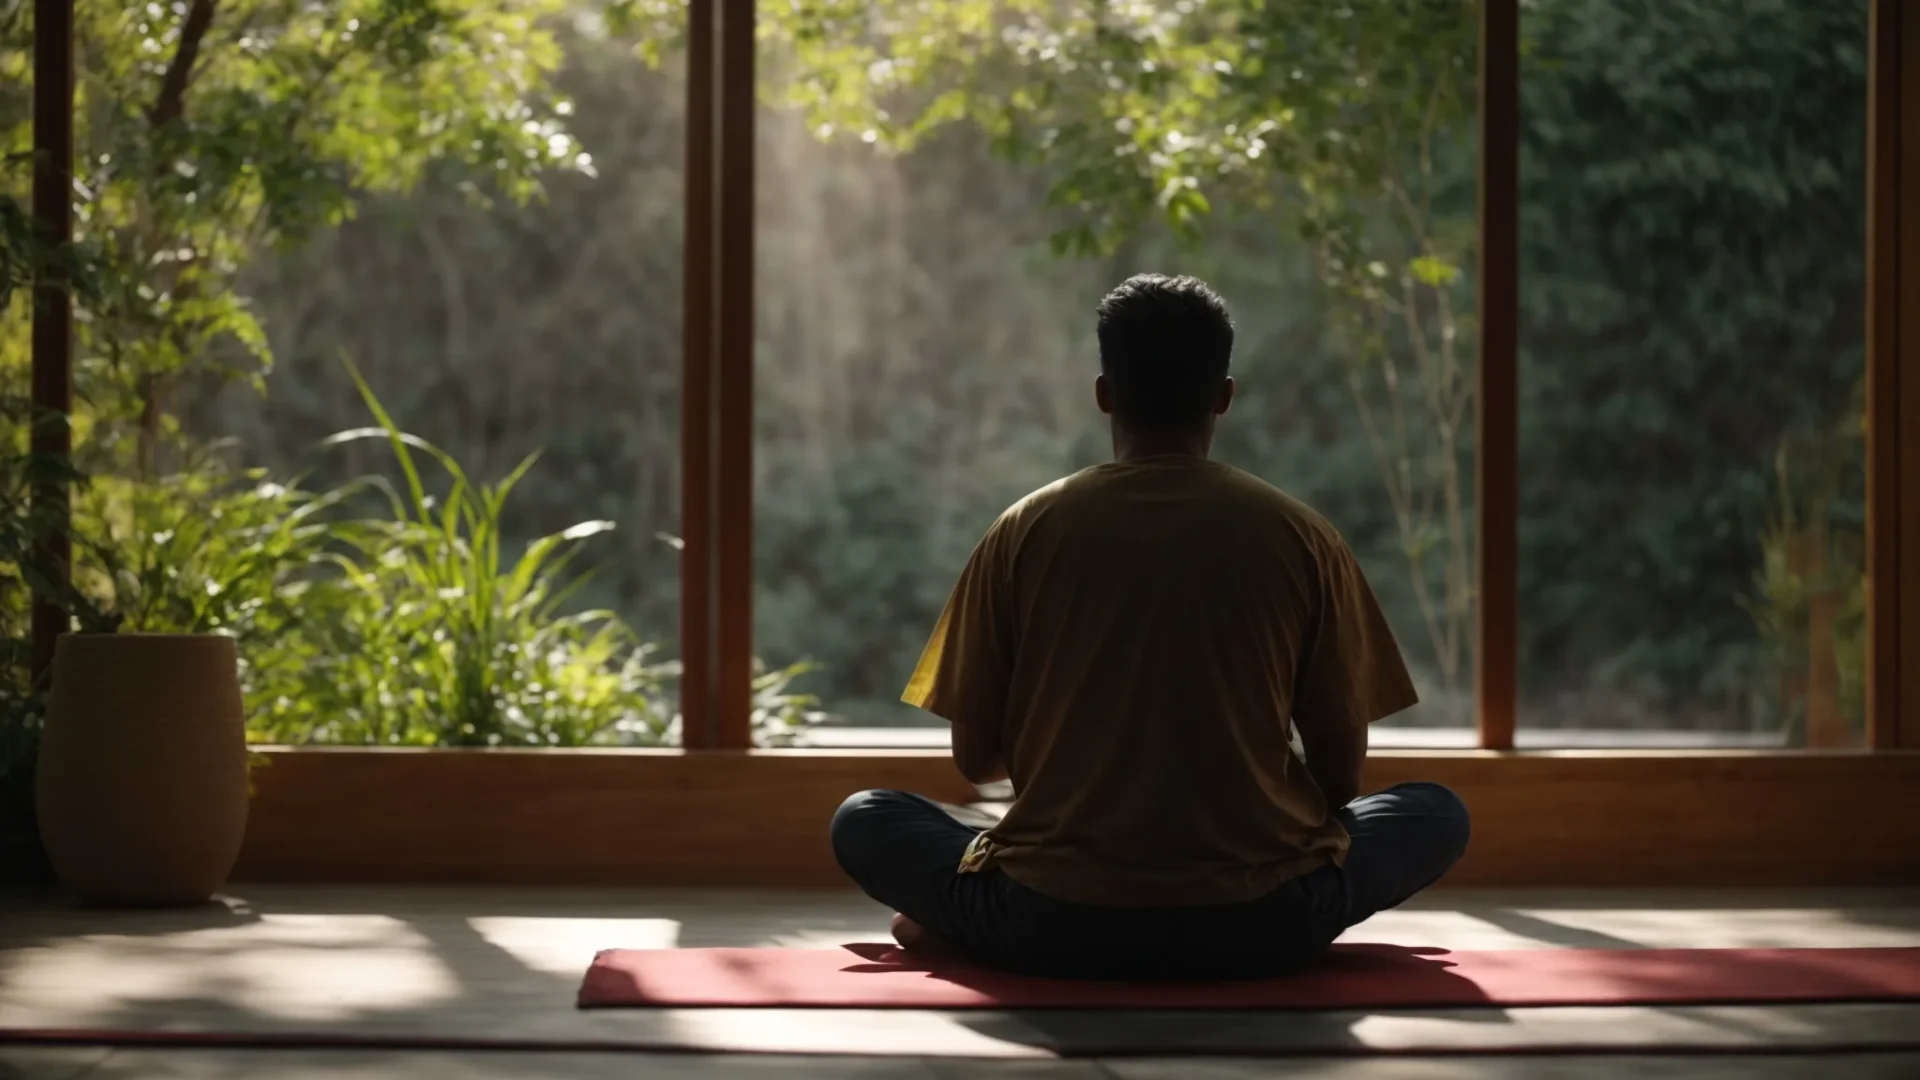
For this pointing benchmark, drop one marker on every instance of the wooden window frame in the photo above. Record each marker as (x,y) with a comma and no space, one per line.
(52,334)
(717,812)
(716,434)
(1893,377)
(1496,496)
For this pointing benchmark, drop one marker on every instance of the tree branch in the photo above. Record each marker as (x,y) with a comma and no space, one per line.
(171,103)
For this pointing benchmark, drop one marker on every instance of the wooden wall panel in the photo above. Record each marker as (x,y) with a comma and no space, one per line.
(564,817)
(760,819)
(1679,818)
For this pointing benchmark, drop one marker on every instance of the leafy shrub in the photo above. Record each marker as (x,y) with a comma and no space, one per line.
(1813,559)
(197,552)
(373,613)
(422,632)
(780,715)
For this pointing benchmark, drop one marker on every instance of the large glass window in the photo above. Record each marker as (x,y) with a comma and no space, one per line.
(925,356)
(921,361)
(496,330)
(1692,319)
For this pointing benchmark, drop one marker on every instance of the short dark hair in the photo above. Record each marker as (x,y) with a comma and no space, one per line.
(1165,344)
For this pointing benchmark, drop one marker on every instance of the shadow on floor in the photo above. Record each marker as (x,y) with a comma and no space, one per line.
(1550,932)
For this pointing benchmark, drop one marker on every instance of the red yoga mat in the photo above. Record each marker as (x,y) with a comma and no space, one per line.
(1349,977)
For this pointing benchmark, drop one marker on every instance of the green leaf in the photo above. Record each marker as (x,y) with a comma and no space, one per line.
(1433,271)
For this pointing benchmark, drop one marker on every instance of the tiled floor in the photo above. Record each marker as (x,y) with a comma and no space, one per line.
(505,963)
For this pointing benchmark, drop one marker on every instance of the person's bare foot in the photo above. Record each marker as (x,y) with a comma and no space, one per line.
(915,938)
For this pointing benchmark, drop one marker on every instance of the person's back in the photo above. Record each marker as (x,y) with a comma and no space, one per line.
(1166,616)
(1134,646)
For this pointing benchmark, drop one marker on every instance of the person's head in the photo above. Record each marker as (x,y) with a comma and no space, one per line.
(1165,344)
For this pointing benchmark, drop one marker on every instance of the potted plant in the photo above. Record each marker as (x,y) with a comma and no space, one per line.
(141,788)
(141,783)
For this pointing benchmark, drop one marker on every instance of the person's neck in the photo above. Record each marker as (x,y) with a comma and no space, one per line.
(1134,445)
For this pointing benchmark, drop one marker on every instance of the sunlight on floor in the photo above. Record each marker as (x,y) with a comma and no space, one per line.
(294,967)
(564,946)
(1748,928)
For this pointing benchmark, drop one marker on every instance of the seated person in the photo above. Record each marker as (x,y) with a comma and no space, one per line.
(1134,646)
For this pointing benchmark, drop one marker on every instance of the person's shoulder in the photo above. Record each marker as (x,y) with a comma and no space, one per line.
(1042,498)
(1276,500)
(1285,519)
(1017,519)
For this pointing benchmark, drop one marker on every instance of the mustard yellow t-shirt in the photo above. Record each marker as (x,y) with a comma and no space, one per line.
(1141,634)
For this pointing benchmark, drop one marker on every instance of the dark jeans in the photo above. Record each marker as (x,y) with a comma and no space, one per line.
(904,851)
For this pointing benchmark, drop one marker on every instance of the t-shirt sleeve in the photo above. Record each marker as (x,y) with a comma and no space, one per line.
(1351,670)
(963,673)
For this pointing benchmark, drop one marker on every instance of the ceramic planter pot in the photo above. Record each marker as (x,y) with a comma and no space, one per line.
(142,786)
